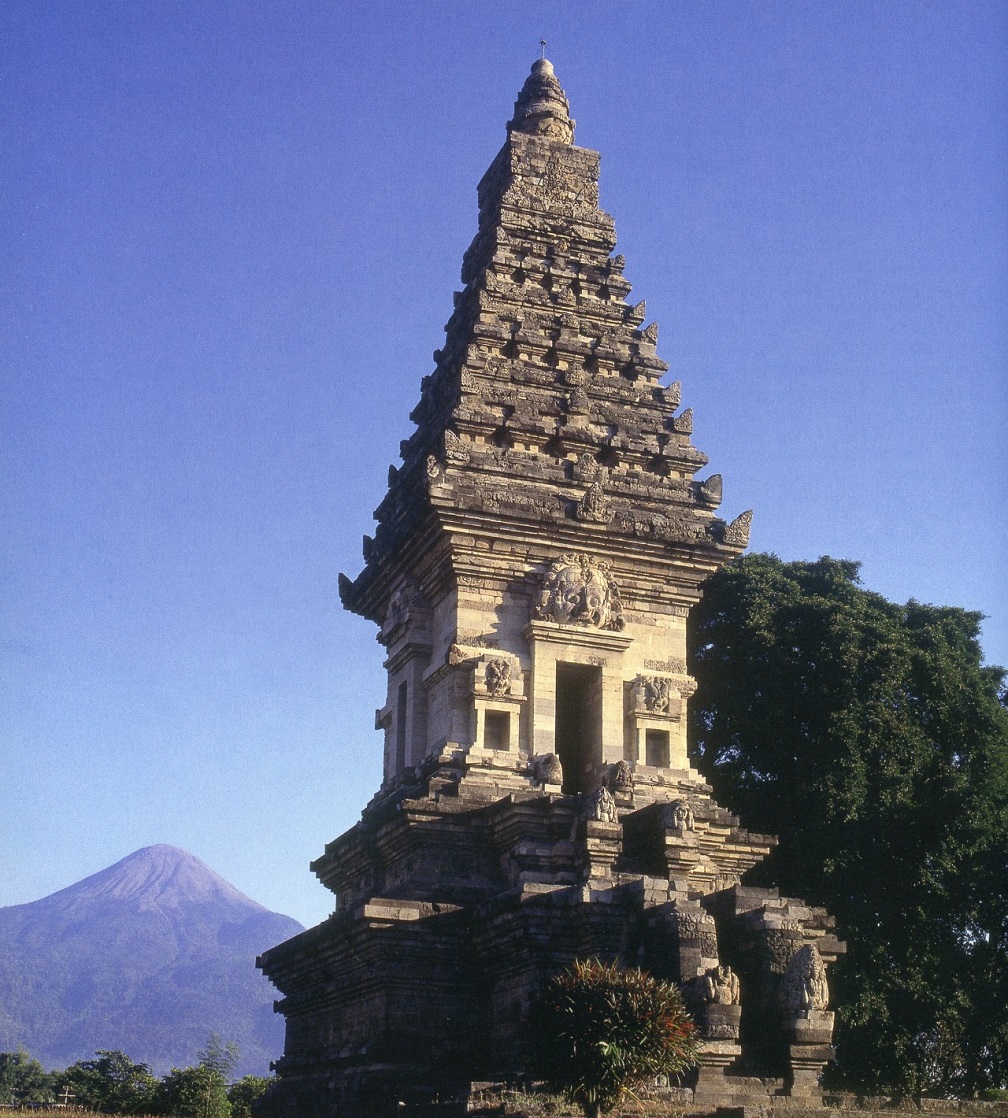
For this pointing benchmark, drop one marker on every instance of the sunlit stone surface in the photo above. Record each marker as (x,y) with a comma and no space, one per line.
(535,559)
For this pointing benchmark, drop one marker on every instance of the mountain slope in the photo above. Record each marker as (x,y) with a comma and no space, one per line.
(149,956)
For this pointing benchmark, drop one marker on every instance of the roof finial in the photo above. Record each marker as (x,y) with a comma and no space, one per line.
(541,108)
(542,48)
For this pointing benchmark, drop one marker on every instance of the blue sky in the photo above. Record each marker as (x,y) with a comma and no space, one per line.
(229,236)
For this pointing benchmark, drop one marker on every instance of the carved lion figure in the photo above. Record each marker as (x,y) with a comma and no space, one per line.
(621,777)
(547,768)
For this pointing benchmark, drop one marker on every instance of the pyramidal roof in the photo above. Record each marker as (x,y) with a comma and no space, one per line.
(545,412)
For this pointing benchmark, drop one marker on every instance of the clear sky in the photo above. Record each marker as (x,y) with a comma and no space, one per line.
(229,236)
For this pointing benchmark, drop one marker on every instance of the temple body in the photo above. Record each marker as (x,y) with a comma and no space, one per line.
(534,563)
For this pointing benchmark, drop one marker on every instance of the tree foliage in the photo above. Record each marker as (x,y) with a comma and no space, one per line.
(218,1056)
(23,1080)
(244,1094)
(111,1083)
(200,1091)
(598,1031)
(873,740)
(195,1092)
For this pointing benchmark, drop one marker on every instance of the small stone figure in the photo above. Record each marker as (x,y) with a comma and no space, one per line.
(547,768)
(721,987)
(578,403)
(621,777)
(497,676)
(586,468)
(602,807)
(803,985)
(657,693)
(678,816)
(715,1002)
(593,505)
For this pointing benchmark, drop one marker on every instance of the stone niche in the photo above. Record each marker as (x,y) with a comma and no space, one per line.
(534,562)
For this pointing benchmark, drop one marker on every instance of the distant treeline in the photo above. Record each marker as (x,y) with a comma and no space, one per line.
(112,1083)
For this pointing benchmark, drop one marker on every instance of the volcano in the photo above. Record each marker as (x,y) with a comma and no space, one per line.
(149,956)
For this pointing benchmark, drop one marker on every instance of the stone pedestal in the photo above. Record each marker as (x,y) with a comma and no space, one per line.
(720,1023)
(713,1087)
(603,843)
(809,1050)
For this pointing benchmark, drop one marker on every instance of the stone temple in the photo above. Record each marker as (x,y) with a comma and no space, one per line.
(535,559)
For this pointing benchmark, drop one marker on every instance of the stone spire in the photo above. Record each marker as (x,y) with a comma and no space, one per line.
(541,108)
(545,414)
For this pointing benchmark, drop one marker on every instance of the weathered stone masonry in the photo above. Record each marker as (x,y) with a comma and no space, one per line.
(534,562)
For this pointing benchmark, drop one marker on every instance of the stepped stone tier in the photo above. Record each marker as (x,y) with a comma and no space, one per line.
(536,556)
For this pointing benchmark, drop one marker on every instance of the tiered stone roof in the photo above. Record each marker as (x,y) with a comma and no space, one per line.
(546,405)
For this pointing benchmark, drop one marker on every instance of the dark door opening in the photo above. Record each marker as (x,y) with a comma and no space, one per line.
(578,723)
(656,747)
(400,728)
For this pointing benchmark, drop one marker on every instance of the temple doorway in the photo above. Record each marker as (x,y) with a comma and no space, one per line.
(578,723)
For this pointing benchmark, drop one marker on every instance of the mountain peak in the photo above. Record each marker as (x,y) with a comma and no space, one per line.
(157,877)
(150,955)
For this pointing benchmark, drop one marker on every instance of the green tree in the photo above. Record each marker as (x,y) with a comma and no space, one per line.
(872,738)
(218,1056)
(111,1083)
(23,1079)
(243,1094)
(598,1031)
(200,1091)
(196,1092)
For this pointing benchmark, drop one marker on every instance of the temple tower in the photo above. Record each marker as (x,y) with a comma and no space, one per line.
(545,521)
(535,558)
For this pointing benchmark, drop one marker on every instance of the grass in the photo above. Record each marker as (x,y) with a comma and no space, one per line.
(48,1112)
(516,1103)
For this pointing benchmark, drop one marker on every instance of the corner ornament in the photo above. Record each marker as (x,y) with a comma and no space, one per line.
(736,534)
(578,590)
(594,506)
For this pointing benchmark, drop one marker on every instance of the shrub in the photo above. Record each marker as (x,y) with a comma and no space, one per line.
(599,1031)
